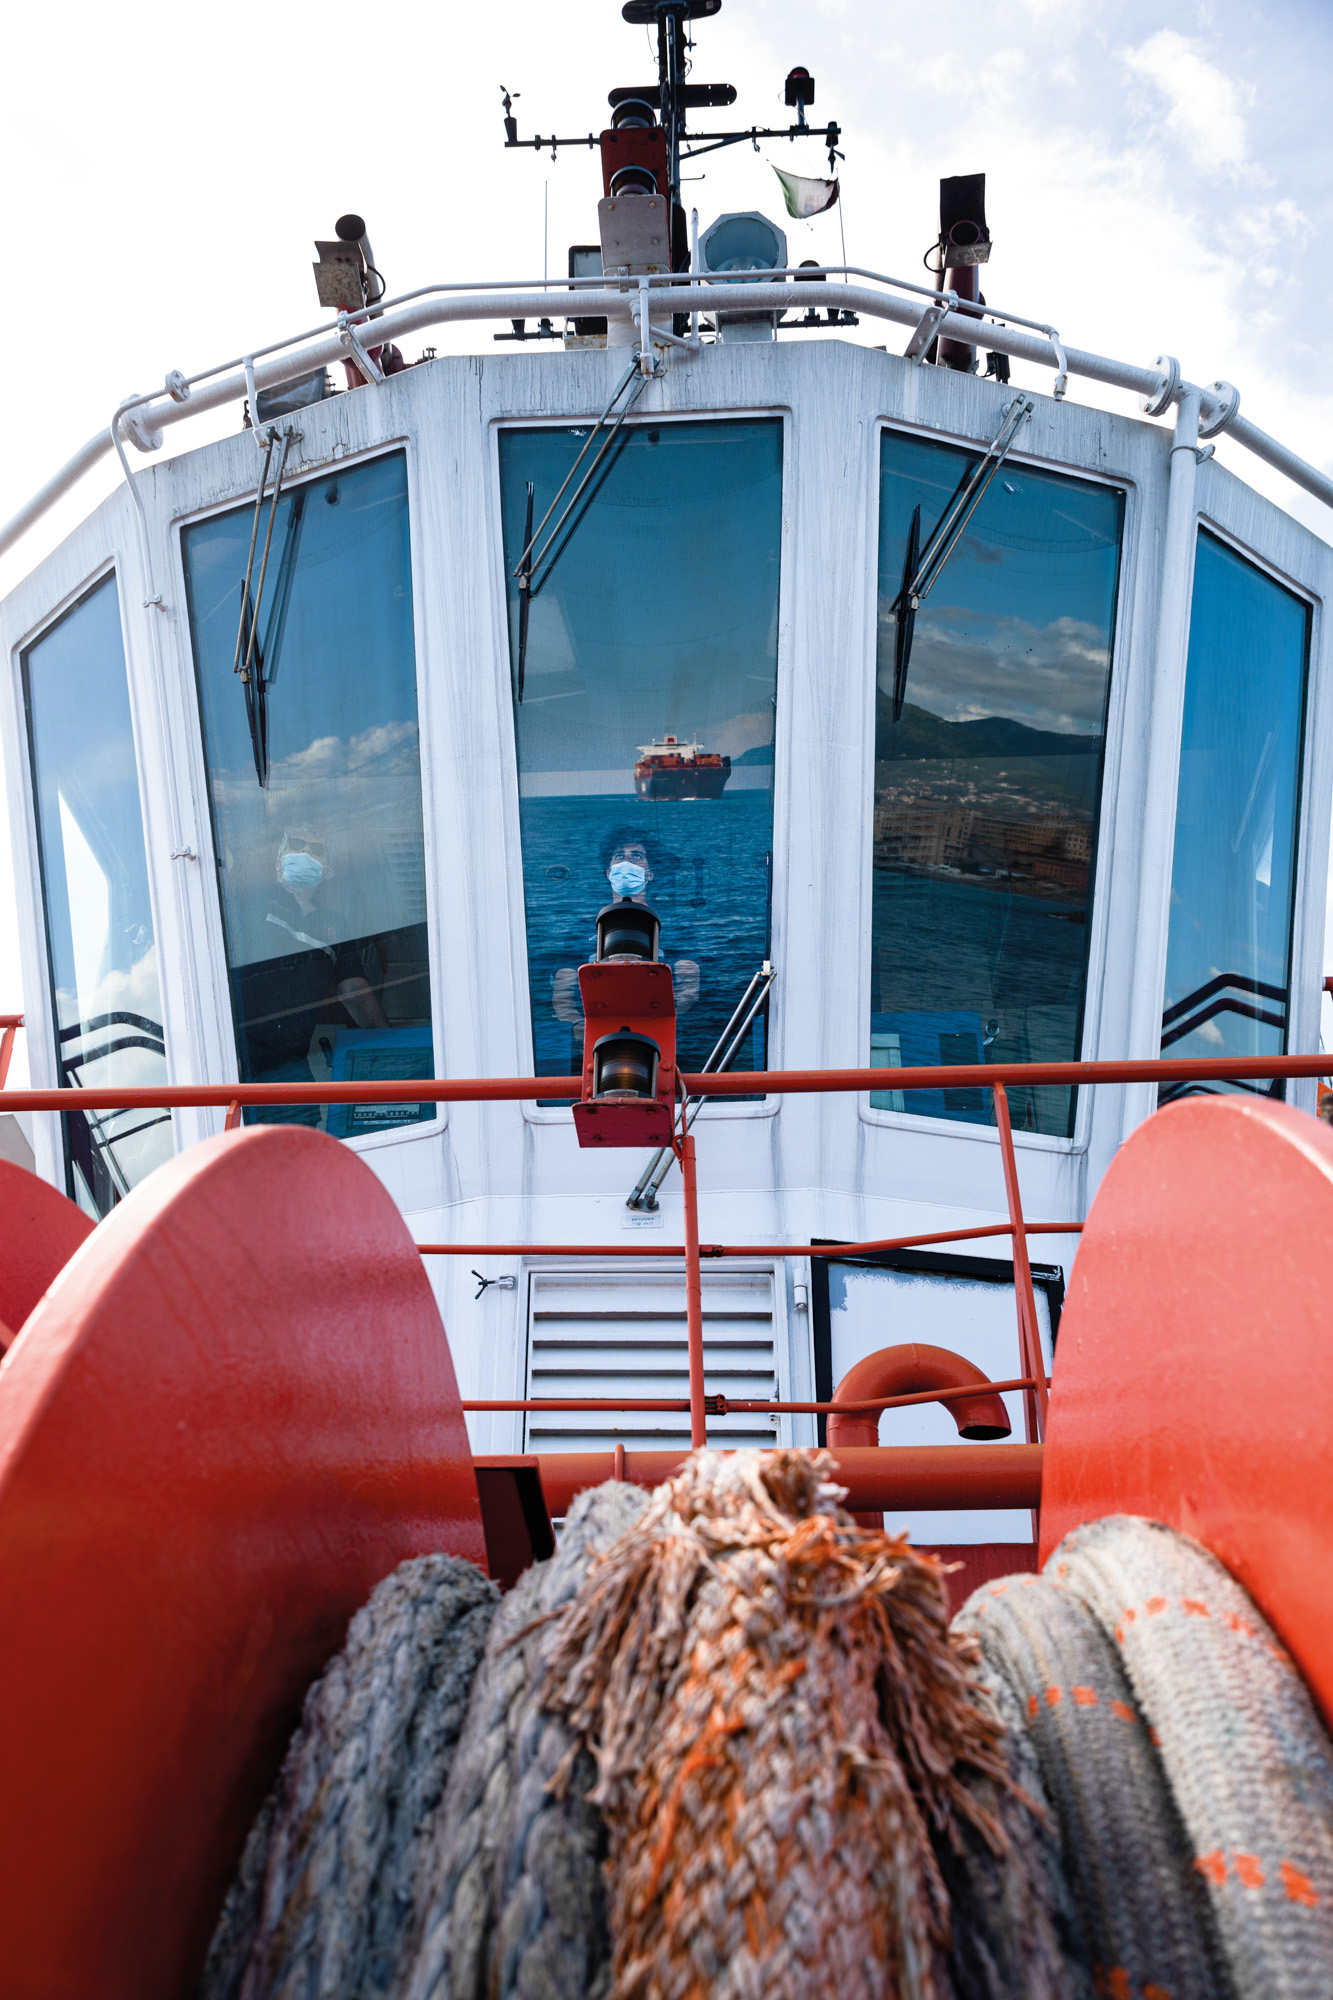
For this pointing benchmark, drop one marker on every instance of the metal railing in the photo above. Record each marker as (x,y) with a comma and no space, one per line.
(997,1078)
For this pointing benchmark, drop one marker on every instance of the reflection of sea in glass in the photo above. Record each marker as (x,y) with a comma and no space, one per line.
(99,921)
(658,620)
(322,867)
(988,785)
(1233,871)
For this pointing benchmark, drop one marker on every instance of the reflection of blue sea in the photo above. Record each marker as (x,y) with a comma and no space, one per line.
(711,863)
(1019,962)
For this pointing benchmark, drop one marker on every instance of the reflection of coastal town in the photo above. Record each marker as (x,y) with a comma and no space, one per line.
(993,826)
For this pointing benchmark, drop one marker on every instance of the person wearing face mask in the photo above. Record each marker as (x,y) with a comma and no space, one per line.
(316,977)
(625,860)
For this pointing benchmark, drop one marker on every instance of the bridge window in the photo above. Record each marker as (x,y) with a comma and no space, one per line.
(107,1005)
(644,721)
(314,779)
(1233,872)
(989,735)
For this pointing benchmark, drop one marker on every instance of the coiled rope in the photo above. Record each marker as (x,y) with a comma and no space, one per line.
(779,1717)
(1246,1754)
(725,1743)
(512,1901)
(1142,1923)
(328,1878)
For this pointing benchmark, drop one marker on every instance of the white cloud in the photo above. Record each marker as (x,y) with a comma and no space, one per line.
(1205,114)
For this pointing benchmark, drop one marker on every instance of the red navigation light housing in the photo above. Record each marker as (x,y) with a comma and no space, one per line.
(629,1053)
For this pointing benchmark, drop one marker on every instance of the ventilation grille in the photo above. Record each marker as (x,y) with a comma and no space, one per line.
(626,1336)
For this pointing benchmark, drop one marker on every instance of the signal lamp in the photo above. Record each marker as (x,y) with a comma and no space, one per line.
(625,1065)
(633,180)
(626,929)
(635,113)
(629,1033)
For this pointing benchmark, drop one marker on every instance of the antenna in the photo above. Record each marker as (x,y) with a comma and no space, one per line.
(672,98)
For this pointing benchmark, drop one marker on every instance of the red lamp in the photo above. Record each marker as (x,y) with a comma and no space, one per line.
(629,1033)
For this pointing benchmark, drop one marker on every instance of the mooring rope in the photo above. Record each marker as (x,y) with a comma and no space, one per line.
(1247,1756)
(328,1879)
(1142,1920)
(778,1715)
(726,1743)
(512,1901)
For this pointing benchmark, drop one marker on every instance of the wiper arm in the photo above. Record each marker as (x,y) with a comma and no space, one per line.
(528,562)
(248,661)
(922,570)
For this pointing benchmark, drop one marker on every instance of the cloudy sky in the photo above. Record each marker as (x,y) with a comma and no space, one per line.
(1158,180)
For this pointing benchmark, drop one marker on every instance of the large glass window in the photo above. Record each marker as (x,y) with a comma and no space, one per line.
(314,777)
(99,920)
(645,716)
(1233,872)
(987,785)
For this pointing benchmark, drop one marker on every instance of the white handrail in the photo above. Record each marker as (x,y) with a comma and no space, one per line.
(144,418)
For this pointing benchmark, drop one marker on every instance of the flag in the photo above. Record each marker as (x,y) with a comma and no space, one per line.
(805,198)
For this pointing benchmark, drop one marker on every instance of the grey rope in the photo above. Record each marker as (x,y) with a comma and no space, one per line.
(1247,1756)
(1144,1920)
(1015,1927)
(512,1900)
(327,1881)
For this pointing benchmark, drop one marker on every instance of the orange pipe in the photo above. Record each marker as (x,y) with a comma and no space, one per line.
(693,1298)
(903,1371)
(899,1477)
(1029,1340)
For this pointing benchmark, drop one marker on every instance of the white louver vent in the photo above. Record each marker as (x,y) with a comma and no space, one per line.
(625,1336)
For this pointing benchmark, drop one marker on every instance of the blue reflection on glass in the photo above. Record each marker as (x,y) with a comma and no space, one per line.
(1233,871)
(987,788)
(646,726)
(99,919)
(322,866)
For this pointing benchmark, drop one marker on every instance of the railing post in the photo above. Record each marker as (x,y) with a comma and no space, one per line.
(233,1118)
(1029,1337)
(694,1313)
(11,1023)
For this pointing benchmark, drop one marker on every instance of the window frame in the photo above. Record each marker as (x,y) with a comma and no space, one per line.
(535,1113)
(1118,711)
(1263,537)
(340,457)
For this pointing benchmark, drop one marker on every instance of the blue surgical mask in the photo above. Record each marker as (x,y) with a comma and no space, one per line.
(302,871)
(627,878)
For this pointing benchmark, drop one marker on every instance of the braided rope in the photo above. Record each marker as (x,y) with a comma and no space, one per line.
(1015,1927)
(1143,1924)
(328,1876)
(779,1717)
(512,1902)
(1248,1758)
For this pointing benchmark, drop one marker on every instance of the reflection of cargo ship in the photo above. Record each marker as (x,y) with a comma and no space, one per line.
(670,769)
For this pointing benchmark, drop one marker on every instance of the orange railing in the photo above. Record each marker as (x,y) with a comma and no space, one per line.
(996,1078)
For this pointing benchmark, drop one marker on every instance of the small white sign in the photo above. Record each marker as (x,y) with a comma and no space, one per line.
(641,1218)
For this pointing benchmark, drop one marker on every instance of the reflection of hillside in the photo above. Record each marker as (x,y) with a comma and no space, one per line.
(990,800)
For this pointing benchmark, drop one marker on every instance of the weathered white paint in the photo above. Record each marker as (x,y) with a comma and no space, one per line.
(827,1167)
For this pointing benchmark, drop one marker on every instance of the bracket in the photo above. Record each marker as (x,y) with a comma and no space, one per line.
(928,326)
(350,338)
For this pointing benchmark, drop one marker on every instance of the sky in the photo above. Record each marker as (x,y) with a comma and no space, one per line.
(1158,180)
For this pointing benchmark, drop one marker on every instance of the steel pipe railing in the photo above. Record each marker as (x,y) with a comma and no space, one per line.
(144,418)
(937,1474)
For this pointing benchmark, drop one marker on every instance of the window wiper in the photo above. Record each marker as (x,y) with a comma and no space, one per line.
(528,563)
(282,589)
(922,568)
(249,660)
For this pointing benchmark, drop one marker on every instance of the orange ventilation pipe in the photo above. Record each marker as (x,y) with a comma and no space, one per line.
(904,1371)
